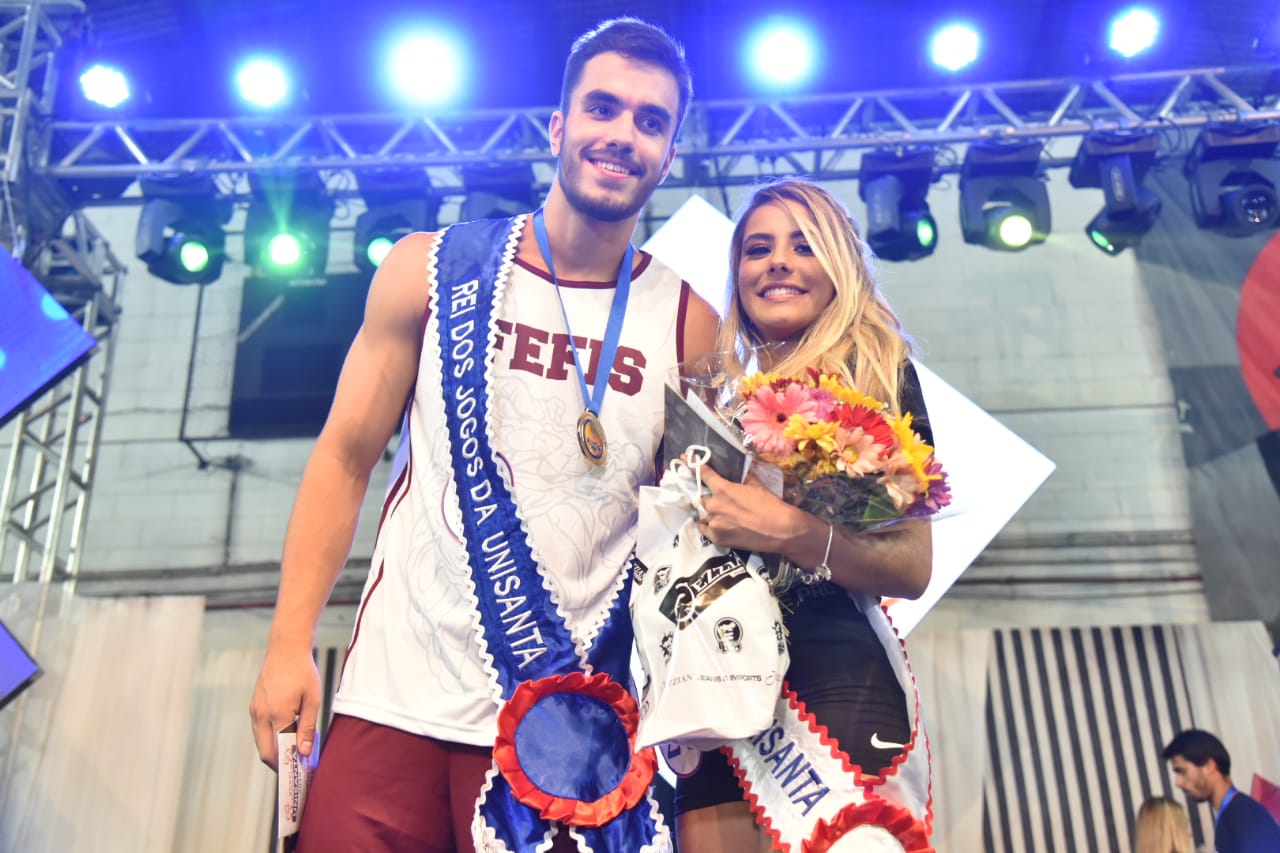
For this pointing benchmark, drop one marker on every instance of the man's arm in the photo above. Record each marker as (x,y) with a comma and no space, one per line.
(375,383)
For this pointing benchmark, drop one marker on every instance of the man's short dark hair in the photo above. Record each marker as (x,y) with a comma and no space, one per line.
(1198,747)
(634,39)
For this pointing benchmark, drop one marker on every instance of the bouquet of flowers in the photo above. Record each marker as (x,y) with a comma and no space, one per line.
(844,457)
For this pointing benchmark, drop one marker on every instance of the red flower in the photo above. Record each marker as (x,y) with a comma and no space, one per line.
(626,794)
(875,811)
(872,423)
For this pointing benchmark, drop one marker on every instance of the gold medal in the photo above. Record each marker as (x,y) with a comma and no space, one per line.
(591,439)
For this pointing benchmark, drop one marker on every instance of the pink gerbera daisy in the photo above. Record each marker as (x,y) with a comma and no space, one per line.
(767,414)
(859,454)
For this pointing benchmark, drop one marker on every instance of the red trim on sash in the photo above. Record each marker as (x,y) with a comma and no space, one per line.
(876,811)
(915,728)
(857,814)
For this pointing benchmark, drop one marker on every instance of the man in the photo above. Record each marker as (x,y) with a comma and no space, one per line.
(1202,770)
(498,575)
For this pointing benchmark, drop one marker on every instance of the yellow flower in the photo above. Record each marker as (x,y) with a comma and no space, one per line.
(913,447)
(834,386)
(748,385)
(818,436)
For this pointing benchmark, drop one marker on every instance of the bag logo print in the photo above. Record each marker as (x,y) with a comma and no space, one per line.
(660,578)
(728,635)
(665,645)
(691,595)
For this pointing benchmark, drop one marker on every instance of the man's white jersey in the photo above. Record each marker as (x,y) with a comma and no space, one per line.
(414,661)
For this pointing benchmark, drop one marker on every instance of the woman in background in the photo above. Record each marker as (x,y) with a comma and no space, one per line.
(1162,827)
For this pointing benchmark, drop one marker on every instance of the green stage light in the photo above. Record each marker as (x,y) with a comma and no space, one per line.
(1101,241)
(926,232)
(379,248)
(284,251)
(286,229)
(193,255)
(180,230)
(1116,162)
(894,182)
(397,202)
(1015,231)
(1004,203)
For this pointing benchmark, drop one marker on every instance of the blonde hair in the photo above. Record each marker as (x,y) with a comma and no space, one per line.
(1162,827)
(858,334)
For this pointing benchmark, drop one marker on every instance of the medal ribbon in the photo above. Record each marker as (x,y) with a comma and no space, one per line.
(522,634)
(613,331)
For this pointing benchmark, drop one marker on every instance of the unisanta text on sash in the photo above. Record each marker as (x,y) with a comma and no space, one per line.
(807,795)
(522,635)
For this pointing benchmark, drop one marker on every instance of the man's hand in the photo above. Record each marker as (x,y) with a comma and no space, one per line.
(288,688)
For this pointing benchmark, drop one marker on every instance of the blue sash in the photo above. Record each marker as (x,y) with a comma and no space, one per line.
(538,675)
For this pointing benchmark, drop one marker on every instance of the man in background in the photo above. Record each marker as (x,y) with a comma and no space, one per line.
(1202,770)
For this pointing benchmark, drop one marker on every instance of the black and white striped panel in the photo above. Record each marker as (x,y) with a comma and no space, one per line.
(1076,722)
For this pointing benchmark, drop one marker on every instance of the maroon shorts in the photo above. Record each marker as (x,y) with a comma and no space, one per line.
(381,789)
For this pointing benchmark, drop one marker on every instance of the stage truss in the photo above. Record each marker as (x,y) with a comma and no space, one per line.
(722,142)
(53,449)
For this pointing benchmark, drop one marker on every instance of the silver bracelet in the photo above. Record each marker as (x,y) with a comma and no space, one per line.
(822,571)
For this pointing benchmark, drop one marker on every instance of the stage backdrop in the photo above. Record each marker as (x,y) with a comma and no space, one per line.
(1048,740)
(1217,300)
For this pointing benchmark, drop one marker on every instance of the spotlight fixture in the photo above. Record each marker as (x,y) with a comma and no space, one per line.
(1004,204)
(104,85)
(398,202)
(1116,162)
(782,53)
(894,183)
(263,82)
(286,229)
(1133,31)
(1234,178)
(427,68)
(955,46)
(180,229)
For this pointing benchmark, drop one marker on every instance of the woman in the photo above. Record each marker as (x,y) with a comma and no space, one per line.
(802,293)
(1162,827)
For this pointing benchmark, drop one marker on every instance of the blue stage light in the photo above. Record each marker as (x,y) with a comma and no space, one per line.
(426,68)
(782,53)
(955,46)
(263,82)
(1133,31)
(104,85)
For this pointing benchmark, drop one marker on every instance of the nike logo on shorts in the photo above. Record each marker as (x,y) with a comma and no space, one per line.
(876,743)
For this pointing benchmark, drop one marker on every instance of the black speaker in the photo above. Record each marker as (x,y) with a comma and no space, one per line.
(294,335)
(17,668)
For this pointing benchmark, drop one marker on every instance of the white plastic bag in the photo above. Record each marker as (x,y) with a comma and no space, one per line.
(708,630)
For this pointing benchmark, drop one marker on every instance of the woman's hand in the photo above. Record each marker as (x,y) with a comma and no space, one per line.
(749,516)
